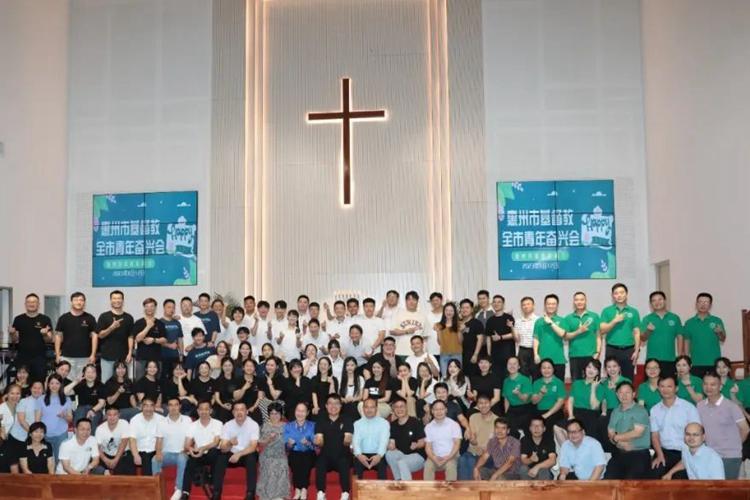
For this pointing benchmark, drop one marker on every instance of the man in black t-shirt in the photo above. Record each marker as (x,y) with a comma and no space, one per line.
(472,338)
(76,338)
(333,434)
(499,330)
(537,452)
(31,331)
(406,447)
(115,335)
(150,335)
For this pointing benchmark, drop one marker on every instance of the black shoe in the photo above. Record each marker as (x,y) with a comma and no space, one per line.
(250,496)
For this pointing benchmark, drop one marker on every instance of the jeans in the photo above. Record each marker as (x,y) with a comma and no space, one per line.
(466,463)
(542,475)
(403,465)
(449,467)
(445,359)
(76,366)
(171,458)
(56,441)
(81,412)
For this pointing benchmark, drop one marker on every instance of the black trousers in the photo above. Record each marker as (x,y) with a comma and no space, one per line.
(209,459)
(634,464)
(526,358)
(622,355)
(699,371)
(146,459)
(125,467)
(671,457)
(249,462)
(301,463)
(37,365)
(519,419)
(577,366)
(340,463)
(381,468)
(667,368)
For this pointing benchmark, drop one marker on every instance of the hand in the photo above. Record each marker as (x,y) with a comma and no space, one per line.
(326,306)
(734,390)
(363,460)
(583,328)
(667,476)
(718,331)
(44,330)
(517,390)
(634,356)
(121,389)
(533,472)
(148,340)
(57,358)
(619,318)
(657,461)
(137,459)
(234,458)
(159,457)
(150,323)
(477,475)
(547,319)
(375,460)
(474,360)
(496,337)
(272,437)
(534,457)
(290,442)
(650,327)
(128,359)
(412,446)
(305,441)
(543,390)
(92,359)
(537,359)
(115,324)
(625,445)
(510,323)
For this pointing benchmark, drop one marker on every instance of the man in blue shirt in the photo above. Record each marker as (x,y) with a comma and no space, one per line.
(199,352)
(700,461)
(170,351)
(581,456)
(370,440)
(209,318)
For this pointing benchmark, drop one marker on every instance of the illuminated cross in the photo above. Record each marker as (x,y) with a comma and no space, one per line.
(346,116)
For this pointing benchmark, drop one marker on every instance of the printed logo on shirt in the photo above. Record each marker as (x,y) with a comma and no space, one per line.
(670,322)
(629,315)
(712,325)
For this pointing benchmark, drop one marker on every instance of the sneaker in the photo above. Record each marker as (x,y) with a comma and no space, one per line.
(296,494)
(303,494)
(321,495)
(344,496)
(177,495)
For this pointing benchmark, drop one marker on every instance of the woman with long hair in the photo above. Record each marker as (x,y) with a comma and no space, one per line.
(149,386)
(310,361)
(448,337)
(350,388)
(249,390)
(202,387)
(648,390)
(214,360)
(323,384)
(587,400)
(299,389)
(379,388)
(223,397)
(244,352)
(272,384)
(90,394)
(458,383)
(57,412)
(38,456)
(118,392)
(11,448)
(689,387)
(267,352)
(177,386)
(425,394)
(517,397)
(548,394)
(729,388)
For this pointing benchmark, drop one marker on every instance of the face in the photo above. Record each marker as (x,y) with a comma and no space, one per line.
(204,411)
(613,369)
(249,369)
(186,308)
(271,366)
(484,366)
(178,371)
(513,366)
(78,303)
(311,351)
(37,389)
(237,316)
(694,436)
(658,303)
(483,300)
(667,388)
(31,304)
(465,310)
(249,306)
(335,351)
(498,304)
(547,370)
(399,409)
(302,304)
(267,351)
(314,329)
(591,371)
(296,371)
(113,416)
(339,310)
(353,308)
(204,370)
(90,373)
(203,303)
(300,412)
(625,395)
(324,366)
(550,306)
(227,367)
(333,406)
(222,349)
(389,347)
(53,385)
(355,335)
(14,395)
(370,408)
(416,345)
(391,299)
(424,372)
(37,435)
(63,370)
(244,351)
(149,309)
(404,372)
(369,309)
(722,369)
(579,302)
(453,369)
(377,370)
(682,367)
(239,412)
(280,312)
(441,393)
(536,427)
(449,312)
(619,295)
(83,430)
(439,411)
(350,366)
(703,305)
(22,375)
(173,406)
(152,369)
(527,307)
(263,311)
(652,369)
(292,318)
(314,311)
(199,338)
(436,302)
(411,303)
(116,300)
(169,309)
(575,433)
(711,386)
(483,405)
(148,408)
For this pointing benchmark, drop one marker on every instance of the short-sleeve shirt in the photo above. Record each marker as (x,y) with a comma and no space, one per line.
(211,323)
(583,345)
(245,433)
(28,406)
(202,390)
(30,338)
(50,415)
(543,449)
(448,340)
(333,432)
(498,325)
(173,333)
(441,435)
(483,428)
(472,329)
(109,439)
(196,356)
(648,395)
(38,463)
(580,391)
(625,420)
(555,391)
(705,347)
(149,352)
(123,400)
(80,455)
(705,464)
(173,433)
(744,392)
(610,394)
(720,420)
(405,434)
(550,343)
(520,382)
(89,396)
(151,389)
(661,342)
(145,431)
(76,332)
(621,334)
(582,459)
(203,435)
(372,388)
(670,422)
(682,391)
(485,384)
(407,319)
(114,347)
(500,453)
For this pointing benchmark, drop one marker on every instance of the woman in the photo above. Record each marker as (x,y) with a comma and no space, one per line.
(689,387)
(310,361)
(249,391)
(272,385)
(323,384)
(458,383)
(90,394)
(334,356)
(274,471)
(38,456)
(448,337)
(648,391)
(226,384)
(587,400)
(230,334)
(299,389)
(177,387)
(119,393)
(214,360)
(244,352)
(350,388)
(11,448)
(57,412)
(202,387)
(149,386)
(378,387)
(729,388)
(517,397)
(425,389)
(266,352)
(548,394)
(610,383)
(406,387)
(22,380)
(299,437)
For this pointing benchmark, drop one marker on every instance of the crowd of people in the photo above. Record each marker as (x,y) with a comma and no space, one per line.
(464,388)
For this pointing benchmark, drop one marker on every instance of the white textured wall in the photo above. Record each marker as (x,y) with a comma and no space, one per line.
(697,78)
(33,106)
(563,95)
(139,119)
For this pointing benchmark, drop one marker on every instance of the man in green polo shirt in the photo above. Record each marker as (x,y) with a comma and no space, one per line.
(704,334)
(628,431)
(548,336)
(620,323)
(662,332)
(584,342)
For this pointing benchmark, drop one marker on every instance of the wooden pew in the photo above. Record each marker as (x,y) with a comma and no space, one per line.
(49,487)
(543,490)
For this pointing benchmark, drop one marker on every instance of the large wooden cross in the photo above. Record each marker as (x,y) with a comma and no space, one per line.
(346,116)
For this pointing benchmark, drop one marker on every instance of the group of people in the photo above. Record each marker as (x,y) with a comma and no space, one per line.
(467,389)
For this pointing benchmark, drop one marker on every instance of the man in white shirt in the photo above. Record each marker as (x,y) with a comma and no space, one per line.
(443,442)
(113,438)
(243,335)
(407,323)
(79,455)
(238,448)
(144,431)
(352,310)
(316,337)
(303,308)
(524,330)
(433,316)
(288,341)
(485,307)
(373,327)
(201,441)
(337,327)
(261,331)
(170,445)
(420,356)
(188,322)
(355,346)
(390,308)
(279,322)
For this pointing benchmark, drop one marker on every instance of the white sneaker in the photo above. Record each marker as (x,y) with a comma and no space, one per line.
(303,494)
(177,495)
(321,495)
(344,496)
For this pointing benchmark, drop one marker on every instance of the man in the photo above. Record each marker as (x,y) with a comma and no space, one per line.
(314,310)
(700,461)
(390,308)
(620,323)
(704,333)
(337,327)
(582,333)
(480,431)
(198,352)
(548,336)
(501,339)
(352,309)
(373,327)
(443,443)
(471,336)
(219,307)
(32,330)
(316,337)
(418,355)
(144,429)
(668,420)
(453,409)
(724,423)
(628,431)
(249,303)
(407,323)
(581,456)
(258,334)
(485,382)
(538,454)
(76,340)
(79,455)
(171,350)
(287,341)
(170,444)
(406,445)
(115,335)
(370,440)
(504,451)
(433,316)
(333,435)
(524,333)
(201,441)
(113,437)
(485,310)
(662,332)
(354,346)
(303,308)
(150,335)
(211,320)
(189,322)
(387,356)
(238,446)
(279,322)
